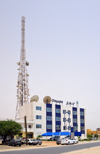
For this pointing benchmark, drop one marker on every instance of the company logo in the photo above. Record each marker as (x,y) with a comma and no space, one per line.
(53,100)
(70,103)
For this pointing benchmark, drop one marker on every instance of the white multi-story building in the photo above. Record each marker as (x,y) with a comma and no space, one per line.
(53,118)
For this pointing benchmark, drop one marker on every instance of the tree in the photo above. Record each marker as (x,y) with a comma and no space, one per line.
(9,128)
(89,136)
(96,135)
(39,136)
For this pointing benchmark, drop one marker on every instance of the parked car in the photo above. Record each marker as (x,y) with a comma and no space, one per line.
(32,142)
(94,138)
(74,141)
(14,142)
(64,141)
(39,142)
(55,138)
(24,141)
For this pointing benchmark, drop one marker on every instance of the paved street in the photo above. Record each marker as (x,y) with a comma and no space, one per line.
(54,150)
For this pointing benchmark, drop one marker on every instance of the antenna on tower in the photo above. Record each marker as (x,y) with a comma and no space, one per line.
(22,84)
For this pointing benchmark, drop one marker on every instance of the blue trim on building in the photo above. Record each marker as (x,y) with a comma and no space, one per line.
(74,109)
(49,130)
(49,122)
(58,122)
(81,117)
(82,125)
(49,114)
(58,114)
(74,124)
(82,131)
(58,130)
(58,106)
(49,105)
(81,110)
(74,116)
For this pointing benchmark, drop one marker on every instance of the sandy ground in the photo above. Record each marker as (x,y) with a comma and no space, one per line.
(46,144)
(95,150)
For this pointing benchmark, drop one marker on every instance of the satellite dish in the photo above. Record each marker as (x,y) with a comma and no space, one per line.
(18,63)
(34,98)
(27,63)
(47,99)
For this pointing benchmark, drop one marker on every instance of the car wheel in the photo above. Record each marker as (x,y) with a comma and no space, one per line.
(29,143)
(19,145)
(57,143)
(40,144)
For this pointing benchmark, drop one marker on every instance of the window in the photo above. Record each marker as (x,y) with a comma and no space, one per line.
(57,110)
(75,128)
(82,128)
(49,118)
(49,126)
(74,112)
(29,135)
(64,111)
(82,120)
(69,112)
(29,126)
(82,113)
(38,126)
(75,120)
(69,127)
(64,119)
(38,116)
(49,109)
(58,119)
(58,127)
(64,127)
(38,108)
(69,120)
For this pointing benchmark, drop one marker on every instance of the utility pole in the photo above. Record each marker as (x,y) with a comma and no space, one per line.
(25,128)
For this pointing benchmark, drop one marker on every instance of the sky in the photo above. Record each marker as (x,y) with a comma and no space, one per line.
(62,42)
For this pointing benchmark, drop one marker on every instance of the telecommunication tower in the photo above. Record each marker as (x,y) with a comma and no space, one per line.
(22,83)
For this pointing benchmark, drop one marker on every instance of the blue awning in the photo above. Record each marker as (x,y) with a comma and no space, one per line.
(60,134)
(55,133)
(77,133)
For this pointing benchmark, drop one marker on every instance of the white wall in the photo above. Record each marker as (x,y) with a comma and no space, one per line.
(26,110)
(30,111)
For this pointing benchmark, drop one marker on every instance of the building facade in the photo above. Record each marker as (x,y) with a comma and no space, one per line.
(54,117)
(96,132)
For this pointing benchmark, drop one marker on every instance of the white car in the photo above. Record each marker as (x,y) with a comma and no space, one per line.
(30,141)
(74,141)
(64,141)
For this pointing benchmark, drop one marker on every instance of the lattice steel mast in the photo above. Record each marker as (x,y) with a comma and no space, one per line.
(22,84)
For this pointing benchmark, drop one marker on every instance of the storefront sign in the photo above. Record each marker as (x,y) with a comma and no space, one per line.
(53,100)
